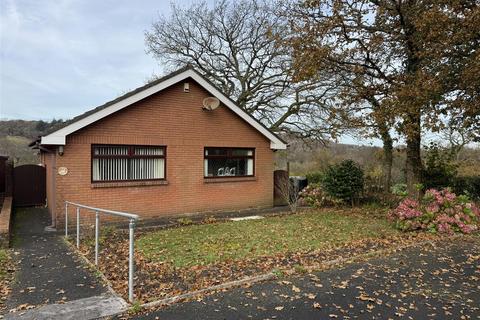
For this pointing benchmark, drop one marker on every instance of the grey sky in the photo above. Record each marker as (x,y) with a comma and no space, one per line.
(60,58)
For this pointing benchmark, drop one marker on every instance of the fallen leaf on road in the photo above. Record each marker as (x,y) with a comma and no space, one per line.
(311,296)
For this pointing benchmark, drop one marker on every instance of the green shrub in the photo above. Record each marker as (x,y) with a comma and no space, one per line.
(343,181)
(469,186)
(399,189)
(440,168)
(314,177)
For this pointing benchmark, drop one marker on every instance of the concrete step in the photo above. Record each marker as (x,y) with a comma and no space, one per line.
(85,309)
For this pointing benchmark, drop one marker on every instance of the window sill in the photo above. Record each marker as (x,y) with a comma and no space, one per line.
(232,179)
(128,184)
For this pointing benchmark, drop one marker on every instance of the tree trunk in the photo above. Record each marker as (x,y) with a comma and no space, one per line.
(387,162)
(414,167)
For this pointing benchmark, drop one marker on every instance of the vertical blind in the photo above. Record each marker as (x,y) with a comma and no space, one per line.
(120,163)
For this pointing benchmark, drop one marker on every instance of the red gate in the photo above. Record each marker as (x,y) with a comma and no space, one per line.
(29,185)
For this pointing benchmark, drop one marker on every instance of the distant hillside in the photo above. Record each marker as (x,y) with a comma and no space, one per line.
(15,135)
(27,129)
(17,149)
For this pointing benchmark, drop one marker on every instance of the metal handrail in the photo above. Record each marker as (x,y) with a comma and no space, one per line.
(116,213)
(132,217)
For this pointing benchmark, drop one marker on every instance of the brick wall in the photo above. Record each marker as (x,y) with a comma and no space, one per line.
(5,221)
(174,119)
(48,160)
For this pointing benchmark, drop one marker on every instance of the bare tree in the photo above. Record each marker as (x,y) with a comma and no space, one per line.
(458,136)
(289,191)
(234,45)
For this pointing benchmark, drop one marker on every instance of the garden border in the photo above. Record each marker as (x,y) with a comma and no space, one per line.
(92,267)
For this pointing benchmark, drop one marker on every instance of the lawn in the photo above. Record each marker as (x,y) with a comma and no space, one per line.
(187,258)
(212,243)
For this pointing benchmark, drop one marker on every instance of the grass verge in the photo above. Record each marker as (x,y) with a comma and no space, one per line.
(4,259)
(6,275)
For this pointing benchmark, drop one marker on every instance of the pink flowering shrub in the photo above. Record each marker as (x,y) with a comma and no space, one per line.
(314,196)
(439,211)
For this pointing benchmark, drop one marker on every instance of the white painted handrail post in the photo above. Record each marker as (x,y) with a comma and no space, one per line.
(130,261)
(66,219)
(78,227)
(97,226)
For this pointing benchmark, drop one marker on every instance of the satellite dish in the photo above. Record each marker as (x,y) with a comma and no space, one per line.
(210,103)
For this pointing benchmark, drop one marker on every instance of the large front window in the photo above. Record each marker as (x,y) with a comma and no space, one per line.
(229,162)
(127,163)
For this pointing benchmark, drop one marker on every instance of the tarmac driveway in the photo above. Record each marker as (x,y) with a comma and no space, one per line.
(440,281)
(48,272)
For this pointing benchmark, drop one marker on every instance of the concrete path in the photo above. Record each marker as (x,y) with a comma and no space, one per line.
(48,272)
(433,282)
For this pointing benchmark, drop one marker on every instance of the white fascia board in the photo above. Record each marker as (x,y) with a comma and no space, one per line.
(53,140)
(278,146)
(59,137)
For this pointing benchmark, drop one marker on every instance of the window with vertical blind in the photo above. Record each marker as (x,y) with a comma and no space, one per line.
(127,163)
(229,162)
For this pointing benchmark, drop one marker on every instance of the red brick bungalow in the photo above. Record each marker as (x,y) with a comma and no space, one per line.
(158,151)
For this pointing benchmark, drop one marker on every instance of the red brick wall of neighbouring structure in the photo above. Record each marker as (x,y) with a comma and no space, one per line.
(176,120)
(48,161)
